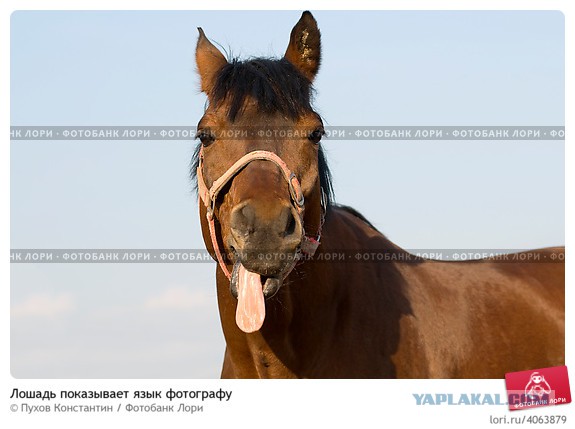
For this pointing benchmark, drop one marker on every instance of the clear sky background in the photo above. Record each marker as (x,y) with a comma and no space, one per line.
(137,68)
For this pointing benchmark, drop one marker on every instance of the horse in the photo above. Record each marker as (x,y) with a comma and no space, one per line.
(269,219)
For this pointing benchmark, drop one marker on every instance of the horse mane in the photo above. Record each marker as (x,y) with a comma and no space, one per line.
(275,86)
(357,214)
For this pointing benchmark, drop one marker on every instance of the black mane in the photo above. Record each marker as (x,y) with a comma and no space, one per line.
(277,87)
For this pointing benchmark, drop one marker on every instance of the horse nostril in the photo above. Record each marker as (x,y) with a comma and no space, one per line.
(287,225)
(291,225)
(243,220)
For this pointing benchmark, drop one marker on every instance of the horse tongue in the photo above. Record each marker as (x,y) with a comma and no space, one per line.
(251,310)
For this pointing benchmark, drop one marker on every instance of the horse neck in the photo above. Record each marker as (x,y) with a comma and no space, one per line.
(302,318)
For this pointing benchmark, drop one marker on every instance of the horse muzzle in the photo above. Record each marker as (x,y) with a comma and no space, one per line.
(265,234)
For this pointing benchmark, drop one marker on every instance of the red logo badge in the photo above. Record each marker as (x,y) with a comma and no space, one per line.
(538,388)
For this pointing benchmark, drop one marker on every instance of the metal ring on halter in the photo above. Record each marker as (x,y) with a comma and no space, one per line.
(211,208)
(297,197)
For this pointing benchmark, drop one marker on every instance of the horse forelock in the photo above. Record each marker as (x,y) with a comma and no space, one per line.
(275,86)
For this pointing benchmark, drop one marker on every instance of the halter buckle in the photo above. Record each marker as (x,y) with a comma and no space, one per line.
(295,190)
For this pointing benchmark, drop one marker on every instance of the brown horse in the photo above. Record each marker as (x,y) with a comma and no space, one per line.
(287,310)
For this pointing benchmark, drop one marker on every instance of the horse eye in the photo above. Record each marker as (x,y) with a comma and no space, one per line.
(205,136)
(316,135)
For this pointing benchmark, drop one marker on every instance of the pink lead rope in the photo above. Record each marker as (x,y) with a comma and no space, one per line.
(209,196)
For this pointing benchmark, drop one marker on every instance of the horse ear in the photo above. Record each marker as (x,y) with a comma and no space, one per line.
(209,61)
(304,49)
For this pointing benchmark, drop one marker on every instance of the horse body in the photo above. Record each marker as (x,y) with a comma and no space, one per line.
(264,194)
(403,318)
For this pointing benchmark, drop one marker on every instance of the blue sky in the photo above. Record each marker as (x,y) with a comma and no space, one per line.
(137,68)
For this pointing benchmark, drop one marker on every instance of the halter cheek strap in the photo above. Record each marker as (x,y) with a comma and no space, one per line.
(209,196)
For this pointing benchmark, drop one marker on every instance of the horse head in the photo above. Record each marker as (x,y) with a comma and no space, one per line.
(261,173)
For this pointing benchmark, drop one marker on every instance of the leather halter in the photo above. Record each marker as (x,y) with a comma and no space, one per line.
(209,196)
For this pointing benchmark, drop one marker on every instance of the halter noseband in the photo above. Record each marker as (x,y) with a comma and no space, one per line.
(209,196)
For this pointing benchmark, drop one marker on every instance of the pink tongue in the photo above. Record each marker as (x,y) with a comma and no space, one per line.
(251,310)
